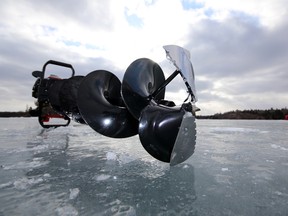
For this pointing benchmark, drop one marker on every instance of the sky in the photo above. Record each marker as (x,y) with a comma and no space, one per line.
(239,48)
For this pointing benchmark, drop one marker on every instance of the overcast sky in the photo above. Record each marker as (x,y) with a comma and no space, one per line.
(239,48)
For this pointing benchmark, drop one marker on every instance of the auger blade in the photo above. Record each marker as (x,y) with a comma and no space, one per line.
(158,130)
(186,140)
(168,134)
(101,105)
(180,57)
(140,80)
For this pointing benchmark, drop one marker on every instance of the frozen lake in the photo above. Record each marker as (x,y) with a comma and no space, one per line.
(239,168)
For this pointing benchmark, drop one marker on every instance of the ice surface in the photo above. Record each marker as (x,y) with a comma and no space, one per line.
(238,168)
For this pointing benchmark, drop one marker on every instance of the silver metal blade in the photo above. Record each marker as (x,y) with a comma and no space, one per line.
(186,140)
(180,57)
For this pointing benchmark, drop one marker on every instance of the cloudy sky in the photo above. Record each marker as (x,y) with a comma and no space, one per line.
(239,48)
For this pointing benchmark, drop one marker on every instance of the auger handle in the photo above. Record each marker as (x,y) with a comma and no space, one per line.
(61,64)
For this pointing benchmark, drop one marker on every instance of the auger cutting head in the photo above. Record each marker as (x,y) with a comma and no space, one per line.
(135,106)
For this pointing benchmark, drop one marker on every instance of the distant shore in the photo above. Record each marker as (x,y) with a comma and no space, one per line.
(8,114)
(272,114)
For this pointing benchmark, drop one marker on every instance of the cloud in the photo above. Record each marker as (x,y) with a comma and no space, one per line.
(241,57)
(238,48)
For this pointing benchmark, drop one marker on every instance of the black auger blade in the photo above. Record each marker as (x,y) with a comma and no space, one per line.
(101,105)
(140,80)
(158,129)
(168,134)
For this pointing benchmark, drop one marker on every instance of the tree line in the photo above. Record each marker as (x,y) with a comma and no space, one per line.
(25,113)
(270,114)
(273,114)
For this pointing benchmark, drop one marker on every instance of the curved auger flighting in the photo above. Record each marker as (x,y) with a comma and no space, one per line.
(118,110)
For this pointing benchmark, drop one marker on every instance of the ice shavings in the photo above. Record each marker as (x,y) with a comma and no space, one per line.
(224,179)
(74,192)
(262,174)
(185,166)
(4,185)
(111,156)
(279,147)
(125,158)
(46,175)
(281,194)
(117,208)
(35,163)
(25,183)
(101,177)
(122,158)
(123,210)
(270,161)
(66,210)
